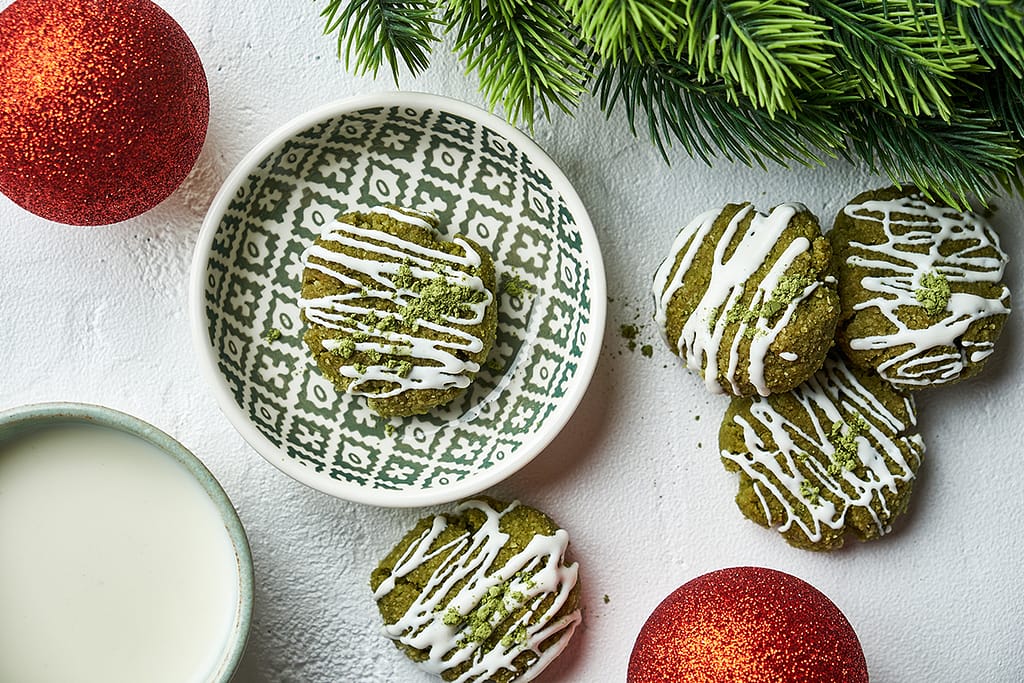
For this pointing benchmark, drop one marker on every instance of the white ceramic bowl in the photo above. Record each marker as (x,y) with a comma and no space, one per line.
(484,179)
(129,558)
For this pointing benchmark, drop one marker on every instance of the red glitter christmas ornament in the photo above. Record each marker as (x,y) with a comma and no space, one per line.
(748,625)
(103,108)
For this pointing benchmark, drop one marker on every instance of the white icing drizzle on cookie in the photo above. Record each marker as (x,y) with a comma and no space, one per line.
(463,580)
(702,337)
(911,249)
(888,453)
(435,362)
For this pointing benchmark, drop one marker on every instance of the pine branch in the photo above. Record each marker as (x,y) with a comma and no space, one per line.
(899,53)
(927,91)
(709,121)
(525,52)
(371,32)
(765,49)
(617,27)
(1004,96)
(997,29)
(970,155)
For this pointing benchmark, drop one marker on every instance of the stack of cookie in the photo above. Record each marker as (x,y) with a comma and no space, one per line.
(822,338)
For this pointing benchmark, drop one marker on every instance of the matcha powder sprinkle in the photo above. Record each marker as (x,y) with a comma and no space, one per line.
(440,299)
(845,443)
(933,293)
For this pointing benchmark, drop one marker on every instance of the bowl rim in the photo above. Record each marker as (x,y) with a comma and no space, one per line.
(400,498)
(39,416)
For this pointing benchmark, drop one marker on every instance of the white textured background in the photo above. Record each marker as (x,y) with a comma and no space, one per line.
(99,315)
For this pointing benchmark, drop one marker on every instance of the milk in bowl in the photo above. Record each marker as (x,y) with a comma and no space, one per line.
(116,563)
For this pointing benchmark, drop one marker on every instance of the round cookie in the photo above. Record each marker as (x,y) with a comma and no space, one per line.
(394,313)
(483,594)
(920,286)
(747,299)
(838,453)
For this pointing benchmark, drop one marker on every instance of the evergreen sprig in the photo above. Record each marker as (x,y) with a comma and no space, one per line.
(525,53)
(1004,95)
(709,121)
(371,32)
(969,156)
(898,53)
(639,27)
(764,49)
(996,28)
(926,91)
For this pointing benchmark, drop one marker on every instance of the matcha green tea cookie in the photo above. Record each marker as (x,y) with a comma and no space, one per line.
(838,453)
(747,299)
(483,594)
(394,313)
(920,286)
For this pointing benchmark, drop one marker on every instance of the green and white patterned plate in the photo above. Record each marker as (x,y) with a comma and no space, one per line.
(484,179)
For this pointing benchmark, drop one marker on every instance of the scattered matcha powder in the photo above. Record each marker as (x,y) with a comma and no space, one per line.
(439,299)
(606,599)
(810,492)
(786,292)
(713,319)
(402,368)
(404,279)
(516,286)
(738,314)
(272,335)
(845,456)
(629,333)
(516,636)
(345,348)
(493,608)
(647,350)
(934,293)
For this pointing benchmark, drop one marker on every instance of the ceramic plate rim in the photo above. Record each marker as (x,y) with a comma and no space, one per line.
(402,498)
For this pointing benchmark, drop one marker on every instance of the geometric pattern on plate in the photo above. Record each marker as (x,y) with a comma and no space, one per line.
(478,183)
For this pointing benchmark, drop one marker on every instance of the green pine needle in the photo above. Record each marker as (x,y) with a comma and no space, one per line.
(926,91)
(971,155)
(898,53)
(765,49)
(709,121)
(525,53)
(616,27)
(996,28)
(371,32)
(1004,96)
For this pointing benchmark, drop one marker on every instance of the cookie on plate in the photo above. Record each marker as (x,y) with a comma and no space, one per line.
(838,453)
(920,287)
(747,299)
(395,313)
(483,594)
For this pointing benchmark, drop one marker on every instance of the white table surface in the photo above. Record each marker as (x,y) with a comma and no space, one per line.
(99,315)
